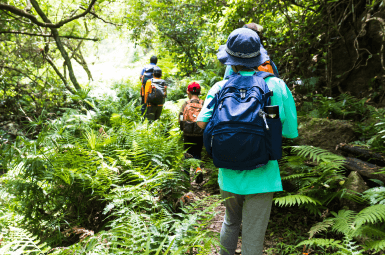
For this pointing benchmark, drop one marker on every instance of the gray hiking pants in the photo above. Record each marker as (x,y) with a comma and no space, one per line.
(254,211)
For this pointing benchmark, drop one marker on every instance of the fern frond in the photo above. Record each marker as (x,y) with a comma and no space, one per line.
(322,242)
(320,226)
(372,214)
(375,195)
(317,154)
(343,222)
(291,200)
(294,176)
(370,231)
(18,241)
(378,245)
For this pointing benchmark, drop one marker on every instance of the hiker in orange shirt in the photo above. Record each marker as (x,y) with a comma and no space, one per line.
(155,95)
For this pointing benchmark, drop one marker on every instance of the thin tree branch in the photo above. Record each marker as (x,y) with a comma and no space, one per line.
(60,75)
(23,73)
(42,35)
(46,23)
(98,17)
(304,7)
(16,18)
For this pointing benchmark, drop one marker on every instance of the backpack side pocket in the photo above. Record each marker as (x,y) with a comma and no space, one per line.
(274,138)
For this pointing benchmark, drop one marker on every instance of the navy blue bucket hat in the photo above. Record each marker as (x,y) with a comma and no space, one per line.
(243,47)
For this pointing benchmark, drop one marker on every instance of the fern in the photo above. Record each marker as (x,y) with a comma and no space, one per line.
(375,195)
(328,243)
(353,225)
(320,226)
(295,176)
(18,241)
(291,200)
(372,214)
(344,222)
(317,185)
(318,154)
(378,245)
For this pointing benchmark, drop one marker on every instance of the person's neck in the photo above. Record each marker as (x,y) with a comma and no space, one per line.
(192,97)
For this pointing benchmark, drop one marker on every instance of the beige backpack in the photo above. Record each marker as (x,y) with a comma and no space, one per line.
(190,115)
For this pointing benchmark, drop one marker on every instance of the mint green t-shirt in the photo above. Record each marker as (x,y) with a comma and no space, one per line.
(266,178)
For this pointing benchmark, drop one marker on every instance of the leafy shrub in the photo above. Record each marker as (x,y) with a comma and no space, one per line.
(367,225)
(315,187)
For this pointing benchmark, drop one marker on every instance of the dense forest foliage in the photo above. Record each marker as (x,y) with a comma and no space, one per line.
(82,172)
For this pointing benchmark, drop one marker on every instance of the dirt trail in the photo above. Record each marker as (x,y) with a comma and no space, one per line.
(199,192)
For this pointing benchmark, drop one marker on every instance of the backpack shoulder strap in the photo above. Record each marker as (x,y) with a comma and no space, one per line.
(267,95)
(264,75)
(150,68)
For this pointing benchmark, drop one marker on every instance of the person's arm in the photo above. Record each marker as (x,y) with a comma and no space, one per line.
(290,126)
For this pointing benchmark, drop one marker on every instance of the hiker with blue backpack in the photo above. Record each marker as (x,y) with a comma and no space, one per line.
(146,74)
(244,119)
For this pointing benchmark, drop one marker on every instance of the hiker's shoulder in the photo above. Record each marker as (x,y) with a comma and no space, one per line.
(217,87)
(273,81)
(279,87)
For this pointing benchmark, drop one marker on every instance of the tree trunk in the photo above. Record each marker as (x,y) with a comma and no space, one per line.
(59,45)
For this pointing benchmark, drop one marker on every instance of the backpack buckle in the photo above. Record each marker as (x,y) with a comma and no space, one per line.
(243,93)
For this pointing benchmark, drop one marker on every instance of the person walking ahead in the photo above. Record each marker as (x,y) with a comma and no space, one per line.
(155,95)
(251,190)
(192,134)
(146,74)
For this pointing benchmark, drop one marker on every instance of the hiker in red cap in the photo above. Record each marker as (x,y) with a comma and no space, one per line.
(192,134)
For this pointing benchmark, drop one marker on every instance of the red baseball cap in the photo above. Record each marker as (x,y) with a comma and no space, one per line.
(193,87)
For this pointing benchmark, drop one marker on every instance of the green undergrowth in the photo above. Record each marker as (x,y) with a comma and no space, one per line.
(369,121)
(100,179)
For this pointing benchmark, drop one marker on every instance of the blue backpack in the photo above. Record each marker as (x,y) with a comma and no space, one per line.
(238,135)
(148,73)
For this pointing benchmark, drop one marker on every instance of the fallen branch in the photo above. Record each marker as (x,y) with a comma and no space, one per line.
(363,153)
(365,169)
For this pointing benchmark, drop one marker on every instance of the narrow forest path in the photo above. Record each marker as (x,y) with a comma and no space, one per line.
(283,220)
(200,191)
